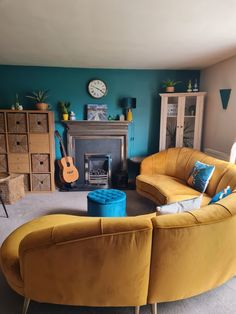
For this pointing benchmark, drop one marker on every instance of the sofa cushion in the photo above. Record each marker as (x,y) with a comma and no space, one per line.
(200,176)
(220,195)
(180,206)
(164,189)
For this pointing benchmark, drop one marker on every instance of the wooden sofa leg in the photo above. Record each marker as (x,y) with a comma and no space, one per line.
(154,308)
(137,309)
(25,305)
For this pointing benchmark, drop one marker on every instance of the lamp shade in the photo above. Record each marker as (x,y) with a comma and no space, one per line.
(128,103)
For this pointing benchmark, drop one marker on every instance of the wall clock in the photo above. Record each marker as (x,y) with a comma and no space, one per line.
(97,88)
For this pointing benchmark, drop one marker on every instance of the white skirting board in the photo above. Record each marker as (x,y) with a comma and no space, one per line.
(216,154)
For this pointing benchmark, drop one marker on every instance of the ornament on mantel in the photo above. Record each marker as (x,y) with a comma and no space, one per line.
(190,89)
(195,86)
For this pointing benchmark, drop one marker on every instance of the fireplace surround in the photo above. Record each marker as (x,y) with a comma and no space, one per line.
(86,138)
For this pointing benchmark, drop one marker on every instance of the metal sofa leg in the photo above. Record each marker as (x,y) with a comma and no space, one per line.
(154,308)
(25,305)
(137,309)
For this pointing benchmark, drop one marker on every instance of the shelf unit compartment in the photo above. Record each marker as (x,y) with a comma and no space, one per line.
(38,123)
(3,163)
(18,163)
(18,143)
(3,147)
(39,143)
(27,182)
(40,163)
(16,122)
(41,182)
(2,122)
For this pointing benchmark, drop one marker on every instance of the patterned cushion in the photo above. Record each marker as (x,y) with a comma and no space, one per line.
(221,195)
(200,176)
(181,206)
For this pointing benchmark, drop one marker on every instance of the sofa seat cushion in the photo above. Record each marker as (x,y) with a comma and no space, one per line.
(10,248)
(164,189)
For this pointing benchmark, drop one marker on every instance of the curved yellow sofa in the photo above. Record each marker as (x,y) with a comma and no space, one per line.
(129,261)
(163,176)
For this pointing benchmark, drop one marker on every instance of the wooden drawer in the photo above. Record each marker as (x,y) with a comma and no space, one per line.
(3,163)
(18,143)
(16,122)
(18,163)
(2,143)
(39,143)
(40,163)
(2,122)
(38,122)
(41,182)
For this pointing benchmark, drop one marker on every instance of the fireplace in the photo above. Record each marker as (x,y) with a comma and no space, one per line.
(97,169)
(88,141)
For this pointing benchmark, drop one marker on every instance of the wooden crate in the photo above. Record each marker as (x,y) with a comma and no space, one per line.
(38,123)
(2,143)
(16,122)
(40,163)
(3,163)
(2,122)
(18,163)
(12,188)
(18,143)
(41,182)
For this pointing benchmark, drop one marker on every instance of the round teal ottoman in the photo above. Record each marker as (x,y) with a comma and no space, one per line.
(106,203)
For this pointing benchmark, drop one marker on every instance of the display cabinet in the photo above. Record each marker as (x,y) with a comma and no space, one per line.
(181,120)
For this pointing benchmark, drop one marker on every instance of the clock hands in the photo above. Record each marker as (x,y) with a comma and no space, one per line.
(99,89)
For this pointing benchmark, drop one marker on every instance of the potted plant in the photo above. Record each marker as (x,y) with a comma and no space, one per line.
(170,85)
(39,97)
(64,106)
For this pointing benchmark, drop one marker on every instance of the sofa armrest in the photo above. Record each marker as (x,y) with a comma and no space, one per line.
(154,164)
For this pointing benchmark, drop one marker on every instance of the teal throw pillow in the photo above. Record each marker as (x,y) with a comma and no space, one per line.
(200,176)
(221,195)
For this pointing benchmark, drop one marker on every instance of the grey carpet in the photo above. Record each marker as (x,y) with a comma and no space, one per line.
(218,301)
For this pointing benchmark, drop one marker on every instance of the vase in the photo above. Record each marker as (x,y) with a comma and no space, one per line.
(170,89)
(65,116)
(129,115)
(42,106)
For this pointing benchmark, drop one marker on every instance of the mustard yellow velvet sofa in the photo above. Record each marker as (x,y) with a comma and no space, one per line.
(163,176)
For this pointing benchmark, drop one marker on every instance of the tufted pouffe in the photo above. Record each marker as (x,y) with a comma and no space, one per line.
(106,203)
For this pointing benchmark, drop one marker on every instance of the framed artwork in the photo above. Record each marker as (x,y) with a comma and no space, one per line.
(96,112)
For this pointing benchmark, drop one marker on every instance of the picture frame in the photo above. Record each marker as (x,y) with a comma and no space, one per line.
(96,112)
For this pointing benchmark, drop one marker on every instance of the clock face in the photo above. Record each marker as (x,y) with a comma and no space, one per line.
(97,88)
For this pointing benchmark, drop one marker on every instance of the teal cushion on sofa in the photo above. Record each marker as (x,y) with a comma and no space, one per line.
(200,176)
(221,195)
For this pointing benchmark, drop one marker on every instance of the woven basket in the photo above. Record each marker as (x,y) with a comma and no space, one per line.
(12,187)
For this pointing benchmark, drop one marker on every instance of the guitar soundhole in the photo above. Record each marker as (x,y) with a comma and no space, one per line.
(41,162)
(68,164)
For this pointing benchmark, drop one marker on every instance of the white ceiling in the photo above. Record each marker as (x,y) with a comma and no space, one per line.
(139,34)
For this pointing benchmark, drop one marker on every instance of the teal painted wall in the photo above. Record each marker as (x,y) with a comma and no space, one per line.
(71,84)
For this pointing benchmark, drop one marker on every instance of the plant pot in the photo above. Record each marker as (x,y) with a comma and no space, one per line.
(65,116)
(170,89)
(41,106)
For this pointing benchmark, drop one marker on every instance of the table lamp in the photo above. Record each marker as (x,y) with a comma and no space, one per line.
(128,104)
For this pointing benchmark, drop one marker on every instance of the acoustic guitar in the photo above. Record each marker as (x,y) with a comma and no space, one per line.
(68,172)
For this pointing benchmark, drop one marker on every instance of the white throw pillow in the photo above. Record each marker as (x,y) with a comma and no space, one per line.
(181,206)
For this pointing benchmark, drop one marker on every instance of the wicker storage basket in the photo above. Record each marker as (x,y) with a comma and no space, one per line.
(41,182)
(12,188)
(2,143)
(40,163)
(2,123)
(18,143)
(38,123)
(17,122)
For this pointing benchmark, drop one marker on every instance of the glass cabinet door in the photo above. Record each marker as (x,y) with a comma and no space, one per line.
(171,123)
(189,121)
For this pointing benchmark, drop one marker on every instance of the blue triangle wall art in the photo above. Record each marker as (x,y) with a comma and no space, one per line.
(224,95)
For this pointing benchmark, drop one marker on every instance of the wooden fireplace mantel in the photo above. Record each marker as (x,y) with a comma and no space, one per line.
(109,127)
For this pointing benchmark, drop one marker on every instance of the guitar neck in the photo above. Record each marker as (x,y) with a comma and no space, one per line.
(61,143)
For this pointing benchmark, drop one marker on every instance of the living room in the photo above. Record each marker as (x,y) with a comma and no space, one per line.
(108,65)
